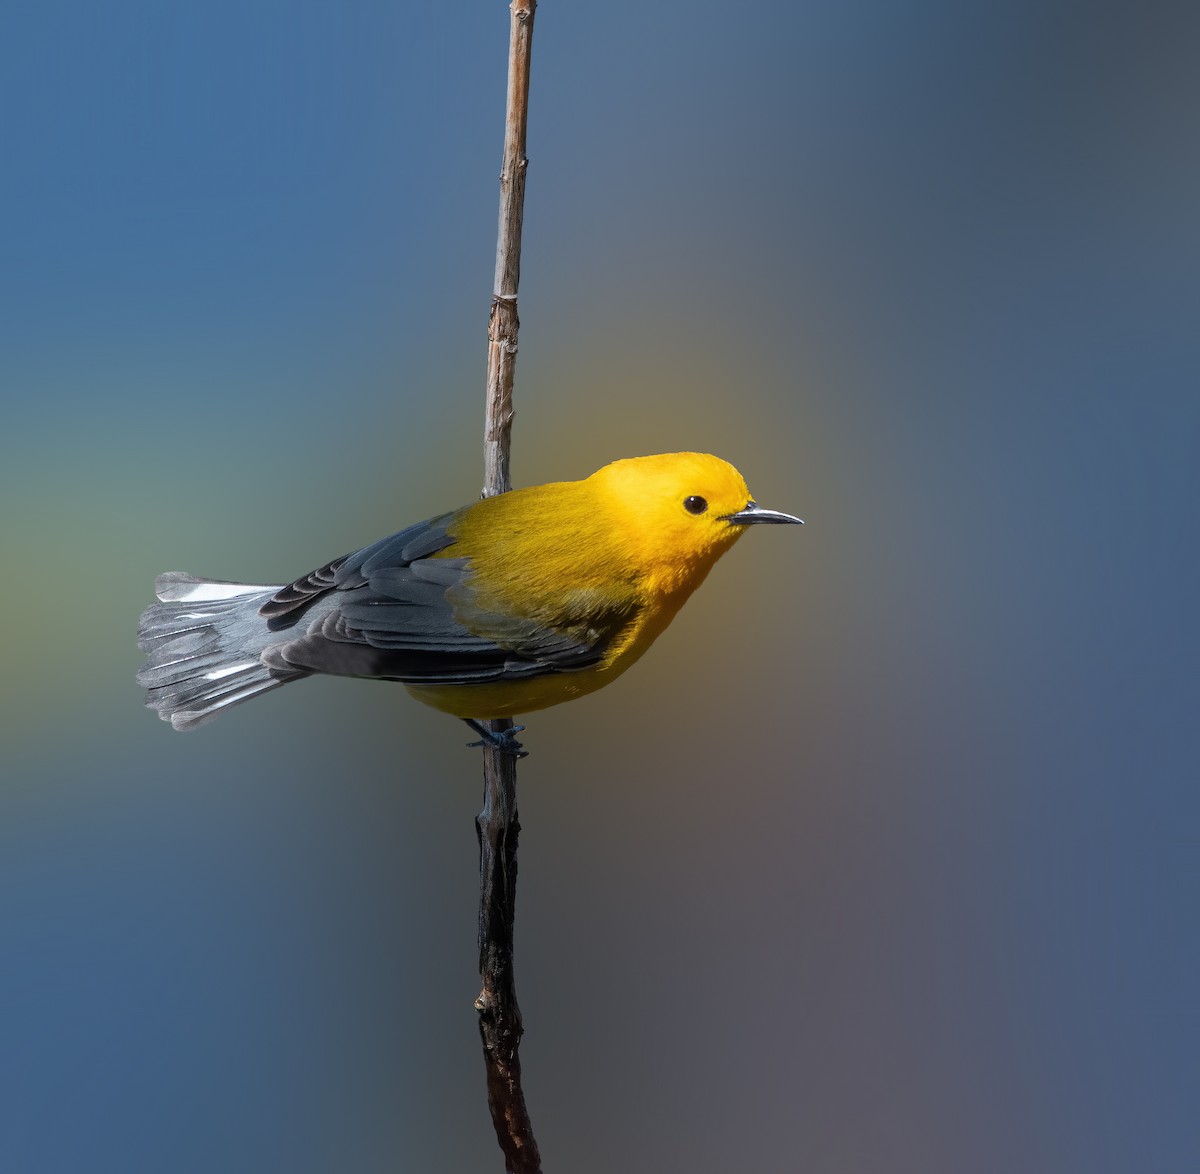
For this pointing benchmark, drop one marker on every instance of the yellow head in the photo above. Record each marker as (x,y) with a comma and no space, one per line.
(681,510)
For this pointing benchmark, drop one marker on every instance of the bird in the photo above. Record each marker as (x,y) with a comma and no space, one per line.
(509,605)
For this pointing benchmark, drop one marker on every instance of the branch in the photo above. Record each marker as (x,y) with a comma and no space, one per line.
(503,323)
(499,1016)
(496,825)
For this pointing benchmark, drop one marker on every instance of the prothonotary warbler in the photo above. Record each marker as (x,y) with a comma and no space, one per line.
(508,605)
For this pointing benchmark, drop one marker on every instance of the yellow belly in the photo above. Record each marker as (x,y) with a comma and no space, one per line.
(508,698)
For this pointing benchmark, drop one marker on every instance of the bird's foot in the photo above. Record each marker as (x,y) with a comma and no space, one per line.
(504,740)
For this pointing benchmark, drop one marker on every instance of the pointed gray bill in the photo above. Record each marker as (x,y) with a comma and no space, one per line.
(755,513)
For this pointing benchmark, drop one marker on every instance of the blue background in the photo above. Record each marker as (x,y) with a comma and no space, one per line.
(884,859)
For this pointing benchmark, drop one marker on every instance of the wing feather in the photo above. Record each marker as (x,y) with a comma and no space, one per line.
(392,611)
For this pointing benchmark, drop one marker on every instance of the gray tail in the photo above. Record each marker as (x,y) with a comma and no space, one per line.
(205,639)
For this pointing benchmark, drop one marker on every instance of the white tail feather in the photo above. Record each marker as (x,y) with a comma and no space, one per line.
(203,661)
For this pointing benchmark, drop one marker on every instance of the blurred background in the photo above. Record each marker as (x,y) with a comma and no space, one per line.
(884,858)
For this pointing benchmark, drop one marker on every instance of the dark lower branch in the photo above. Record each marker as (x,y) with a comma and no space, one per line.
(500,1025)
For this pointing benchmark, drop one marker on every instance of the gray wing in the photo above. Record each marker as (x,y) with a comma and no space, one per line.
(391,611)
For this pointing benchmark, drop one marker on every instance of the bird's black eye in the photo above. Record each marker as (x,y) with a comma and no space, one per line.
(695,505)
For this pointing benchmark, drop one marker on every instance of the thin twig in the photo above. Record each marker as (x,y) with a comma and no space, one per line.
(496,825)
(503,323)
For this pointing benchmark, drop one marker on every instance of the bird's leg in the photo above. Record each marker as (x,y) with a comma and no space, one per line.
(506,740)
